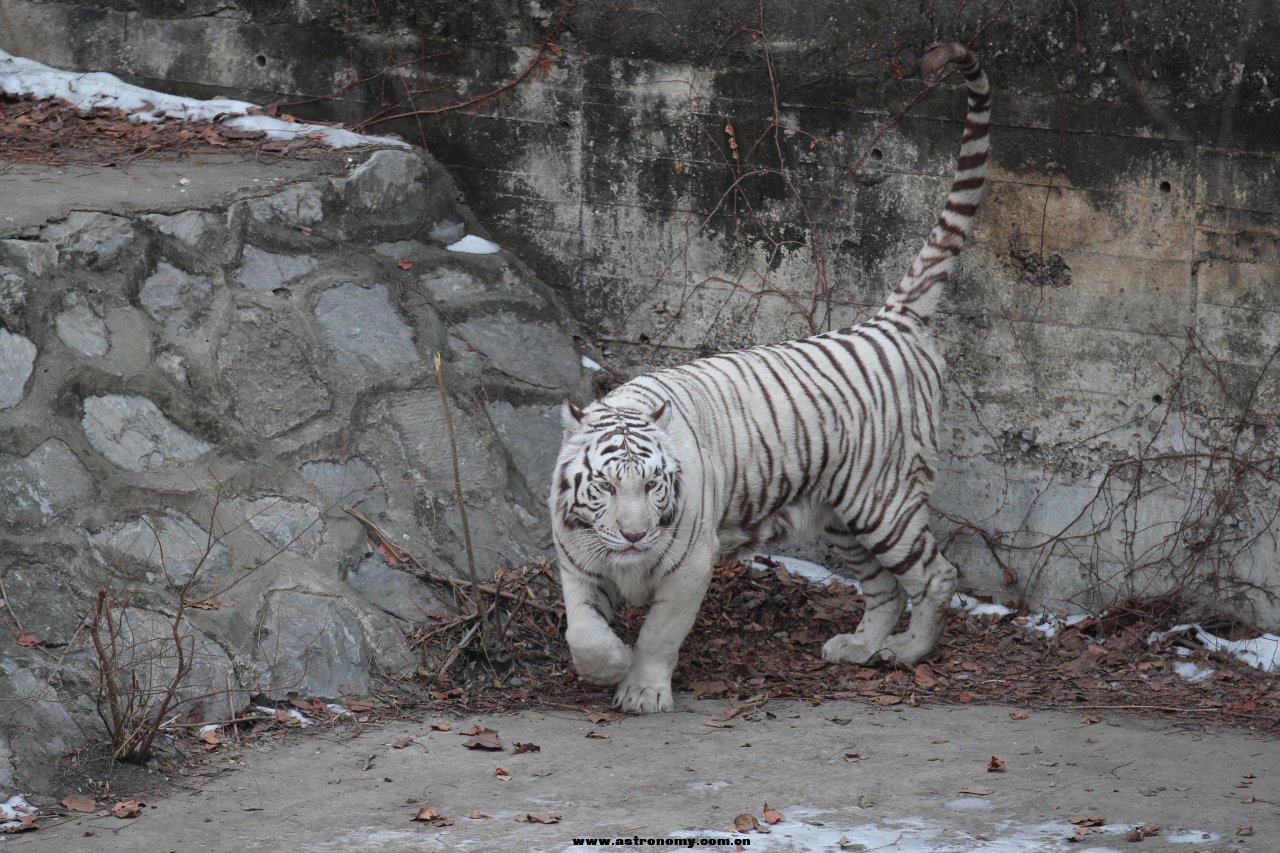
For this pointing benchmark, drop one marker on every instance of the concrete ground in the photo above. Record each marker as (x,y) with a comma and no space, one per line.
(844,776)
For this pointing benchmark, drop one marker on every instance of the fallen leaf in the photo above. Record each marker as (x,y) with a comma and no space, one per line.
(476,814)
(717,724)
(521,748)
(405,264)
(26,823)
(485,739)
(855,756)
(503,774)
(402,742)
(888,699)
(28,639)
(429,815)
(1091,740)
(841,721)
(360,705)
(745,823)
(703,689)
(965,696)
(595,734)
(1019,715)
(924,675)
(771,815)
(553,817)
(252,809)
(865,802)
(1086,820)
(978,790)
(473,729)
(211,737)
(283,716)
(1138,833)
(126,808)
(1090,719)
(79,803)
(1244,831)
(597,717)
(995,765)
(441,727)
(1248,801)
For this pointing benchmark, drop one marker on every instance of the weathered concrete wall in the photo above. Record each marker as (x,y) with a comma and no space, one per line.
(1112,392)
(201,362)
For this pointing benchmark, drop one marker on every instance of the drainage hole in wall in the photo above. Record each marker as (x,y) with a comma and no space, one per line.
(260,60)
(1157,399)
(1165,186)
(876,153)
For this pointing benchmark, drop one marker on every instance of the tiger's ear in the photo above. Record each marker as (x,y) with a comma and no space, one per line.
(661,416)
(571,417)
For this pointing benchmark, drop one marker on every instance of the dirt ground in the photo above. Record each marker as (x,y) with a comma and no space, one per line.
(894,778)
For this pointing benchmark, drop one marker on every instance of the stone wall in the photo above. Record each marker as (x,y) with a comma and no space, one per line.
(1111,331)
(201,363)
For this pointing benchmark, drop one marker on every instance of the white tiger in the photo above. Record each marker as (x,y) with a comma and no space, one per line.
(838,433)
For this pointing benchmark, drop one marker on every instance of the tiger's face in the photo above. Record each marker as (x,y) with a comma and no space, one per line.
(617,484)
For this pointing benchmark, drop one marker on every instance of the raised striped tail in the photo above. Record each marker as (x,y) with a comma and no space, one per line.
(922,284)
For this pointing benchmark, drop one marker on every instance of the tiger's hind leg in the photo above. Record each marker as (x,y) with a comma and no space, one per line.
(907,548)
(885,601)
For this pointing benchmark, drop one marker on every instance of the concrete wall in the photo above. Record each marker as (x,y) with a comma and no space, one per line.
(1111,332)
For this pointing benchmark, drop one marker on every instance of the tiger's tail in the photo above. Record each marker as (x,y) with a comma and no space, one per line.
(921,286)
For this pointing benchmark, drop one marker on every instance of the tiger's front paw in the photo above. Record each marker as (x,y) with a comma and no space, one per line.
(600,658)
(641,694)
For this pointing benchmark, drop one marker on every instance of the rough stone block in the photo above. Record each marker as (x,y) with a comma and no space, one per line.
(172,544)
(38,729)
(30,257)
(267,271)
(145,655)
(38,487)
(80,327)
(175,299)
(298,204)
(271,373)
(353,483)
(368,337)
(395,591)
(532,351)
(292,525)
(195,229)
(133,433)
(532,436)
(17,356)
(91,238)
(388,184)
(417,422)
(312,644)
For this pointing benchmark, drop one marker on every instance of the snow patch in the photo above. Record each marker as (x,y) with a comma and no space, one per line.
(13,808)
(815,573)
(590,363)
(1260,653)
(473,245)
(22,77)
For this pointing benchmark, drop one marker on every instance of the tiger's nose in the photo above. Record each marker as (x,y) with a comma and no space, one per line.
(632,537)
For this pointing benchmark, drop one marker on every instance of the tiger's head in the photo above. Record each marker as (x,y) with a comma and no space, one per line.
(617,484)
